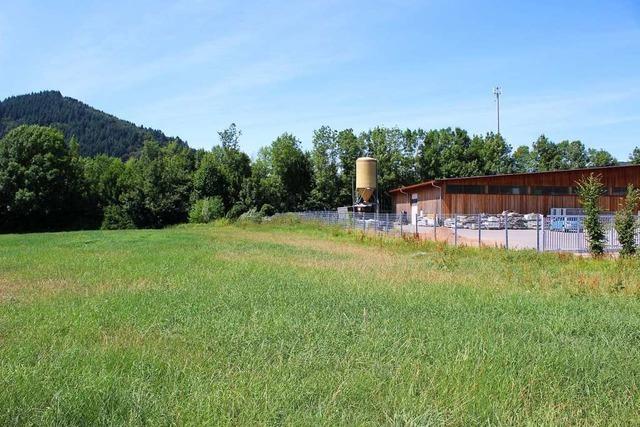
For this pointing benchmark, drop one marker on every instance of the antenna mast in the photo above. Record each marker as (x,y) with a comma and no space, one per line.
(497,92)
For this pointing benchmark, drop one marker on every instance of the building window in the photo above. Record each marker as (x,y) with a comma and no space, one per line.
(619,191)
(414,198)
(465,189)
(507,189)
(552,191)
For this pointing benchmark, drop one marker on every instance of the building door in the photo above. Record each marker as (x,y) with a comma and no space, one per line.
(414,207)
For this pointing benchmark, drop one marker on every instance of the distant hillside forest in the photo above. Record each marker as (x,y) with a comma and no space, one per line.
(47,181)
(96,132)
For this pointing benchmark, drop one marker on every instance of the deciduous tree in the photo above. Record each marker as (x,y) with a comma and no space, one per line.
(158,185)
(626,222)
(324,160)
(40,179)
(349,148)
(590,189)
(598,158)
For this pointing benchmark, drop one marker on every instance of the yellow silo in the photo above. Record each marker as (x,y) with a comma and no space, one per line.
(366,177)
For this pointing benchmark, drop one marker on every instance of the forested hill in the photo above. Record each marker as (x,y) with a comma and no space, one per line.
(97,132)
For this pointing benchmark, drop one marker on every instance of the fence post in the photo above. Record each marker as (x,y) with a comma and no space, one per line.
(506,230)
(401,221)
(479,231)
(455,230)
(538,232)
(611,230)
(386,224)
(435,221)
(417,225)
(543,235)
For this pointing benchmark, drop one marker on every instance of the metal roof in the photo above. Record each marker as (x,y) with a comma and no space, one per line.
(438,180)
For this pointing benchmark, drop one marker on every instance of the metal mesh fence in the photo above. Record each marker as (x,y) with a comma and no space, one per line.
(567,233)
(508,230)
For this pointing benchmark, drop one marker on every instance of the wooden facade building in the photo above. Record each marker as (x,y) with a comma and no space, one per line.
(536,192)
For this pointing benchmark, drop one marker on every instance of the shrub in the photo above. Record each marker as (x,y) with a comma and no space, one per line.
(252,215)
(206,210)
(235,211)
(589,191)
(116,218)
(626,222)
(267,210)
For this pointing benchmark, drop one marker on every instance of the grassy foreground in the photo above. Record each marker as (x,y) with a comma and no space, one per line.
(293,324)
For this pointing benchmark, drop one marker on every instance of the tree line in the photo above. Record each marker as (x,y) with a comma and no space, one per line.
(46,184)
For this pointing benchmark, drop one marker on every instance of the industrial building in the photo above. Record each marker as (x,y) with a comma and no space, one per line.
(538,192)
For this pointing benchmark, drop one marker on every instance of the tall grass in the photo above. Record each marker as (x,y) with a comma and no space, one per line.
(296,324)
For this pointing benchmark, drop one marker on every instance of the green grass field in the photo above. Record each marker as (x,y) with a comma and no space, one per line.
(301,325)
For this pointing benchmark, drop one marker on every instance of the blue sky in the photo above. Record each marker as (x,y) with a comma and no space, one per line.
(568,69)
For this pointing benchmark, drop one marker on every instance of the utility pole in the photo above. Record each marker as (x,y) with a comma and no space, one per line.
(497,92)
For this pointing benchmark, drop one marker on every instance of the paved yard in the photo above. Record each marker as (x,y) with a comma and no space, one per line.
(518,239)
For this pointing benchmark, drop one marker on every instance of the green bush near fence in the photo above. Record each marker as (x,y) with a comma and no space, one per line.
(626,222)
(590,189)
